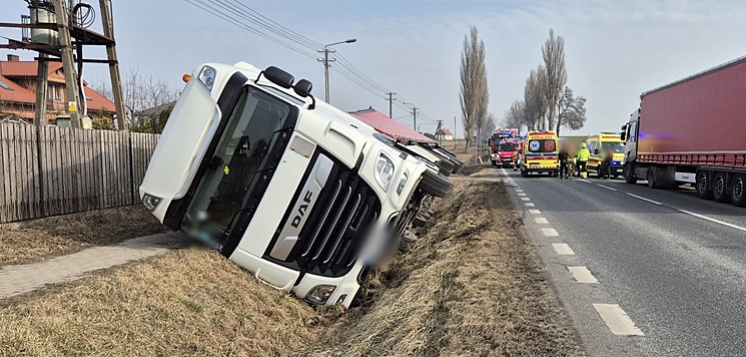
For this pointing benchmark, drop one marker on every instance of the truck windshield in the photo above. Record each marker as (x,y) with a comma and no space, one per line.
(548,145)
(508,147)
(239,153)
(618,147)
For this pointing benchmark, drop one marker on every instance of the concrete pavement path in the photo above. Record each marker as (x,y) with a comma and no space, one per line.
(20,279)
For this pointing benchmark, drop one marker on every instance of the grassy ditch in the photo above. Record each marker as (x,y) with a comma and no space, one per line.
(185,303)
(471,286)
(40,239)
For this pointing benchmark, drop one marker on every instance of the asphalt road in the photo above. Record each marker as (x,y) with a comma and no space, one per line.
(675,264)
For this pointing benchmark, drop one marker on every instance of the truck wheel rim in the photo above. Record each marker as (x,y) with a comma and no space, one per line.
(720,185)
(738,189)
(703,183)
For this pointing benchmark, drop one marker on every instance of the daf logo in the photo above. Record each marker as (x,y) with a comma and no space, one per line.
(302,209)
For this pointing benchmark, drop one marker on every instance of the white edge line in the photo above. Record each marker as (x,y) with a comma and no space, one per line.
(617,320)
(713,220)
(582,275)
(645,199)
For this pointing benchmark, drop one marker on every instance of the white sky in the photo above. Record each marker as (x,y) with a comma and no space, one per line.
(615,49)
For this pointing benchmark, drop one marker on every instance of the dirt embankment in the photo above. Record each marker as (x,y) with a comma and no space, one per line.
(471,286)
(33,241)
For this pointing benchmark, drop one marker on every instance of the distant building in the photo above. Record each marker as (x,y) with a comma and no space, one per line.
(444,134)
(18,91)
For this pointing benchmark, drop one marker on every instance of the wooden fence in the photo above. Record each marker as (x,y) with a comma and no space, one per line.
(56,171)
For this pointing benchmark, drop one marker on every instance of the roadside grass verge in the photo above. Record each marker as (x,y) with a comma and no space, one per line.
(471,286)
(33,241)
(190,302)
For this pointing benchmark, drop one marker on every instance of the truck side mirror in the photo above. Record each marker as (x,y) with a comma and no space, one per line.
(624,137)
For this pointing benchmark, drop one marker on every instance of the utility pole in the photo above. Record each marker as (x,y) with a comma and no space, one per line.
(391,104)
(454,128)
(439,133)
(111,54)
(326,61)
(42,86)
(414,116)
(68,62)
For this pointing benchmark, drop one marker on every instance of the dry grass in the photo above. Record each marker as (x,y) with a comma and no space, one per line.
(458,148)
(37,240)
(471,286)
(184,303)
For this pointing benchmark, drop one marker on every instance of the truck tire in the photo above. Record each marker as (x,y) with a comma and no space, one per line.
(629,177)
(703,185)
(738,191)
(720,188)
(651,178)
(446,167)
(434,184)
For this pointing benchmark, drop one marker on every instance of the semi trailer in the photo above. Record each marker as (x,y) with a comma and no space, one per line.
(664,137)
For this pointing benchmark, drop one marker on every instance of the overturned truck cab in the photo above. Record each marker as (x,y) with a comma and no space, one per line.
(303,195)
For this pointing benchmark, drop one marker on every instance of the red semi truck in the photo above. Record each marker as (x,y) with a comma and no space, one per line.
(663,138)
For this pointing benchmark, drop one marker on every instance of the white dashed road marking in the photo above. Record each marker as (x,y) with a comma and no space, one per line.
(608,188)
(617,320)
(584,180)
(550,232)
(563,249)
(534,211)
(521,194)
(525,199)
(541,220)
(529,204)
(713,220)
(645,199)
(583,275)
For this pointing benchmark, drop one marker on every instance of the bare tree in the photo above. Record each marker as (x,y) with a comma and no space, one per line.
(571,111)
(553,53)
(515,117)
(143,97)
(474,90)
(487,128)
(533,97)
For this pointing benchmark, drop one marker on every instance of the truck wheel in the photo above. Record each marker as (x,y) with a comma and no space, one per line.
(446,167)
(719,189)
(434,184)
(703,185)
(651,178)
(629,177)
(738,193)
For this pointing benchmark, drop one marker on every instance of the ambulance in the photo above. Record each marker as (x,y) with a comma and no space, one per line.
(540,154)
(599,145)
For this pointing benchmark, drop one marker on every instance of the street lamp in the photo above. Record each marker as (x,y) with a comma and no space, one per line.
(414,113)
(326,62)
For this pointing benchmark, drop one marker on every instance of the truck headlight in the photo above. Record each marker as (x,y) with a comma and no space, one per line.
(150,202)
(207,77)
(320,294)
(402,184)
(384,171)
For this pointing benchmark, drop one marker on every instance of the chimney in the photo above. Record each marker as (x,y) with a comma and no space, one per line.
(13,58)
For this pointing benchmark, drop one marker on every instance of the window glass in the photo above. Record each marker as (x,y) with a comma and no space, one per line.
(545,145)
(5,86)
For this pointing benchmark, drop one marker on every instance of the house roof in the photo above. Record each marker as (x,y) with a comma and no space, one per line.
(389,126)
(12,92)
(446,132)
(98,102)
(14,70)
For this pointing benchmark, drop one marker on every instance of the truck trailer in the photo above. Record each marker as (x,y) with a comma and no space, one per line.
(664,138)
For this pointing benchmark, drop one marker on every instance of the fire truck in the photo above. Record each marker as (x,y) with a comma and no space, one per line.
(502,145)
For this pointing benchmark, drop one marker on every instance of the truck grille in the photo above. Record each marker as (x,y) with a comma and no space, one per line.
(329,242)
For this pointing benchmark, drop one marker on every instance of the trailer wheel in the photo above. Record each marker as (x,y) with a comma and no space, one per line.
(446,167)
(434,184)
(720,189)
(738,193)
(703,185)
(651,178)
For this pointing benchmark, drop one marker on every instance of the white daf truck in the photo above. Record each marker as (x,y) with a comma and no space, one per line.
(301,194)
